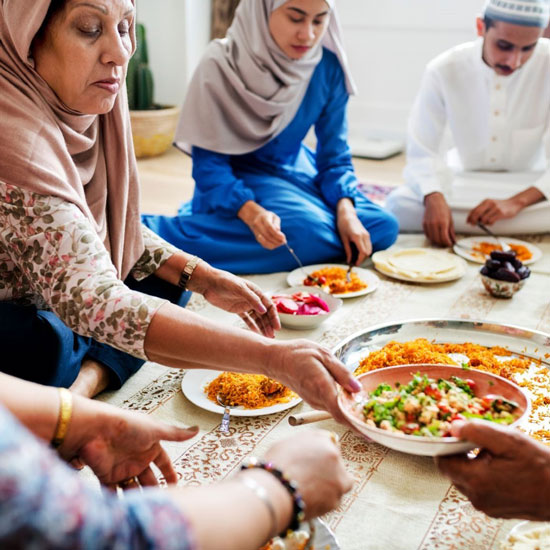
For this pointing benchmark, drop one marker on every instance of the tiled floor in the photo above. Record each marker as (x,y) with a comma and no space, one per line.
(166,180)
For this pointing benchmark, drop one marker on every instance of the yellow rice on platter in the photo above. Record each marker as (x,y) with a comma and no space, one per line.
(251,391)
(496,360)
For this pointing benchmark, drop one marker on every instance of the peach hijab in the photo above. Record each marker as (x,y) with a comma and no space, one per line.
(49,149)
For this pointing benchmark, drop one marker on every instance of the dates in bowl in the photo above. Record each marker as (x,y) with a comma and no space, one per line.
(503,274)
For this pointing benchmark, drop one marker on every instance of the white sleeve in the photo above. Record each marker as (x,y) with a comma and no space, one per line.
(426,169)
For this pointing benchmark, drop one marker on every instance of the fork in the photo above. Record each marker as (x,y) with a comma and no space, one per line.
(505,246)
(299,262)
(353,260)
(226,414)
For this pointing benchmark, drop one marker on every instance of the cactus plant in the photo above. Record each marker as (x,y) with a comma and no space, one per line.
(139,79)
(153,125)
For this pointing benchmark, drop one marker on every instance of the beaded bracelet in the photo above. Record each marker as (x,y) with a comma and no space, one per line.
(299,506)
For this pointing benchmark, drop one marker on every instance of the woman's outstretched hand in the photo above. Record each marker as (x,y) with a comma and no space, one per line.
(118,444)
(313,372)
(265,225)
(236,295)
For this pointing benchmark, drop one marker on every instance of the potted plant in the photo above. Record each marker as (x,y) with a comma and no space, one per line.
(153,126)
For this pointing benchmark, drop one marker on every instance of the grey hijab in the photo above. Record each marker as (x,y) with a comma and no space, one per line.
(245,90)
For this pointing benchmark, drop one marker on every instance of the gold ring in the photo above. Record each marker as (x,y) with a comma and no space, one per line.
(130,482)
(251,312)
(334,438)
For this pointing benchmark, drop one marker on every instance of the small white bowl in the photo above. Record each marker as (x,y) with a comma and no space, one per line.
(304,322)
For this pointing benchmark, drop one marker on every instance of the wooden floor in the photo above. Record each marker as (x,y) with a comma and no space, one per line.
(166,180)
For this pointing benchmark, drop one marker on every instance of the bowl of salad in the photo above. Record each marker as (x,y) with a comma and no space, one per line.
(410,408)
(303,307)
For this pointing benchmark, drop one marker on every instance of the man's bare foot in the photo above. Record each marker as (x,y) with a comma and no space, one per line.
(92,379)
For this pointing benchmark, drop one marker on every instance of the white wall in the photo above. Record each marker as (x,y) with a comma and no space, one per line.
(389,43)
(178,32)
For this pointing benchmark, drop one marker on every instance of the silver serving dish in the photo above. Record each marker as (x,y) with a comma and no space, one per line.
(520,341)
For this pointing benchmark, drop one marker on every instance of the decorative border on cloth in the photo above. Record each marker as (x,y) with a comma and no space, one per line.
(216,455)
(363,458)
(156,393)
(458,524)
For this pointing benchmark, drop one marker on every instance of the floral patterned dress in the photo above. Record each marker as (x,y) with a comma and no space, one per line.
(46,505)
(51,257)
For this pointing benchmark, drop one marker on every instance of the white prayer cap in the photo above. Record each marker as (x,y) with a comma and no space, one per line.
(531,13)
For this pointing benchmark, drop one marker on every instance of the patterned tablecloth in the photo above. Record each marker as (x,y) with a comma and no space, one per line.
(398,502)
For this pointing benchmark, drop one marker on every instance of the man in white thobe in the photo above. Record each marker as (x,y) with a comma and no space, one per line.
(476,138)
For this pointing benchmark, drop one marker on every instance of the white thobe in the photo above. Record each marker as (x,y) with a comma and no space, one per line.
(474,134)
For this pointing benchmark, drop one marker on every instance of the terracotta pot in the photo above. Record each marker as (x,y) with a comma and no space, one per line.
(153,131)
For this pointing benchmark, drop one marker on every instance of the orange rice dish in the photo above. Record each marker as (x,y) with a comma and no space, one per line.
(522,252)
(333,280)
(251,391)
(494,360)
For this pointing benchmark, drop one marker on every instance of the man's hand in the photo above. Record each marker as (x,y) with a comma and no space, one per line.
(509,478)
(438,221)
(265,225)
(490,211)
(351,230)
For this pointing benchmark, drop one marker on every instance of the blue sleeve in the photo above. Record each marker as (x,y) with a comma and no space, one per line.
(48,506)
(217,189)
(336,177)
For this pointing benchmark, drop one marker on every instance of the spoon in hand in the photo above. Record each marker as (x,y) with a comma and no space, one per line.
(505,246)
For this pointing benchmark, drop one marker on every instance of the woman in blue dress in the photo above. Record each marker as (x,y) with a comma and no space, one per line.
(254,97)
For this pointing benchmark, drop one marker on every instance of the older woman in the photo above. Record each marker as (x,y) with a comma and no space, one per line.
(76,267)
(254,97)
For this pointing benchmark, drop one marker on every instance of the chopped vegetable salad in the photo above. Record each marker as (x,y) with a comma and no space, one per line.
(426,407)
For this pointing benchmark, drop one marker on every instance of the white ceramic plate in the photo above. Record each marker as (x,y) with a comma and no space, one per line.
(466,248)
(307,321)
(296,278)
(195,381)
(457,266)
(527,534)
(324,538)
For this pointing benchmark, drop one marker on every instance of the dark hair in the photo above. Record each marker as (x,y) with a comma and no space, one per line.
(55,7)
(489,22)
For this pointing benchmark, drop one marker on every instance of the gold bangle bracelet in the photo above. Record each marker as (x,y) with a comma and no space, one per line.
(64,418)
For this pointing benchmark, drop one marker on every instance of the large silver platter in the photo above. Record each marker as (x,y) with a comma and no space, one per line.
(519,341)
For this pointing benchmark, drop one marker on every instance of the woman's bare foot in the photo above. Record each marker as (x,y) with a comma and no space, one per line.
(92,379)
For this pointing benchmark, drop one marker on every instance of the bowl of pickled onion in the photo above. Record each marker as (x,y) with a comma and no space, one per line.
(304,307)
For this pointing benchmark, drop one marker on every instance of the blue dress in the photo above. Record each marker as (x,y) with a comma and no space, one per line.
(286,177)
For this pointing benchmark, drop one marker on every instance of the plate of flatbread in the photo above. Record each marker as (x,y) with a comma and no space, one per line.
(419,265)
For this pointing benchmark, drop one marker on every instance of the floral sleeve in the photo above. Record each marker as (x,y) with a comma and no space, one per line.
(157,251)
(49,252)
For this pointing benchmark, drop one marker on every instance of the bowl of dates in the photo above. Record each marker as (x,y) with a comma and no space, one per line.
(503,274)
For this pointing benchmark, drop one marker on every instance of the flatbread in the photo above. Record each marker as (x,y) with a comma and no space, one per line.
(419,264)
